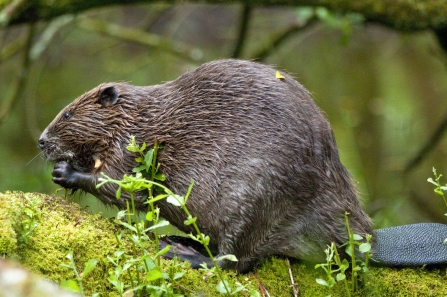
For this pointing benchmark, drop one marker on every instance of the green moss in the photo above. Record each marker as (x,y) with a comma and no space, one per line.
(64,226)
(409,282)
(8,236)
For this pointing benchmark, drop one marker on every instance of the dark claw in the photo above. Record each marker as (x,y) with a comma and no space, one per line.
(64,174)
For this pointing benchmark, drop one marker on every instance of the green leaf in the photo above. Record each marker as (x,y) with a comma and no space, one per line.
(189,190)
(118,254)
(149,216)
(163,251)
(71,285)
(228,257)
(365,247)
(205,240)
(160,177)
(148,158)
(190,220)
(29,212)
(344,265)
(128,226)
(357,237)
(430,180)
(159,197)
(153,274)
(158,225)
(178,275)
(323,13)
(340,277)
(439,191)
(89,266)
(193,237)
(139,168)
(121,214)
(118,192)
(175,200)
(143,147)
(254,293)
(132,148)
(349,250)
(305,13)
(221,287)
(69,256)
(322,282)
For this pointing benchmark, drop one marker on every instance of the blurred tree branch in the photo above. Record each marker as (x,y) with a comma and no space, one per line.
(141,37)
(263,53)
(22,76)
(402,14)
(243,28)
(428,146)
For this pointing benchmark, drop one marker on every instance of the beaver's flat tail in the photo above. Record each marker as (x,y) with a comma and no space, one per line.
(411,245)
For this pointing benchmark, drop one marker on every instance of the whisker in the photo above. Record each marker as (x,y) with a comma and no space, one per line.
(38,155)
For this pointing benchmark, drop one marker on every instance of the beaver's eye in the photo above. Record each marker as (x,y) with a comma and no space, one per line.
(67,115)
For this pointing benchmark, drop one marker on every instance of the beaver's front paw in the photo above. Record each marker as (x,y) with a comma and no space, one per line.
(64,174)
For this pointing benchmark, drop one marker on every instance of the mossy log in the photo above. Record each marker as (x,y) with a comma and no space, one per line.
(402,14)
(61,226)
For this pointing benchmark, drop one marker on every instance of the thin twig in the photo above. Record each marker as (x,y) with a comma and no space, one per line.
(8,11)
(262,289)
(281,38)
(11,49)
(22,77)
(293,285)
(140,37)
(243,28)
(428,147)
(441,35)
(147,25)
(48,34)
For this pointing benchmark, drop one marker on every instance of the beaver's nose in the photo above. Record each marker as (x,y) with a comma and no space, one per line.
(42,139)
(41,143)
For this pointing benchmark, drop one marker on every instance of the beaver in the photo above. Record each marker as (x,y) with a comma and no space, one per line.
(267,172)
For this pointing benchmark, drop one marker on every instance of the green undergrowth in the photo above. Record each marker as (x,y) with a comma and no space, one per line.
(39,231)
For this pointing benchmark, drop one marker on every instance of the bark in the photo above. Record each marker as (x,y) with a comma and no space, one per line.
(406,15)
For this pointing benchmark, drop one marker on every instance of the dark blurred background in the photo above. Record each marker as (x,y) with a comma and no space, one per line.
(383,91)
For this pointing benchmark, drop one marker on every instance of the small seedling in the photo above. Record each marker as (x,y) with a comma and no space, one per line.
(358,267)
(33,214)
(76,284)
(439,188)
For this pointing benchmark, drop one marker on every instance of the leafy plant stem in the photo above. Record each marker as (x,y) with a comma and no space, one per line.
(151,204)
(351,243)
(202,239)
(134,247)
(339,263)
(439,188)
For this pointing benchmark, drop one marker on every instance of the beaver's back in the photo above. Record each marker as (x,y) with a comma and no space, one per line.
(264,161)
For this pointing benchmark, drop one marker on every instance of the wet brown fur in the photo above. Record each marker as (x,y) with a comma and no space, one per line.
(268,178)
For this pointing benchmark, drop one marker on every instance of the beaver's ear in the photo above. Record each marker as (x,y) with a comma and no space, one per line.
(108,96)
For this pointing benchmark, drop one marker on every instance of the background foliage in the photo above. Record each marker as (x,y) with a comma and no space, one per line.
(383,90)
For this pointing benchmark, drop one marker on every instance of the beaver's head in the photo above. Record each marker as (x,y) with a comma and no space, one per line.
(85,132)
